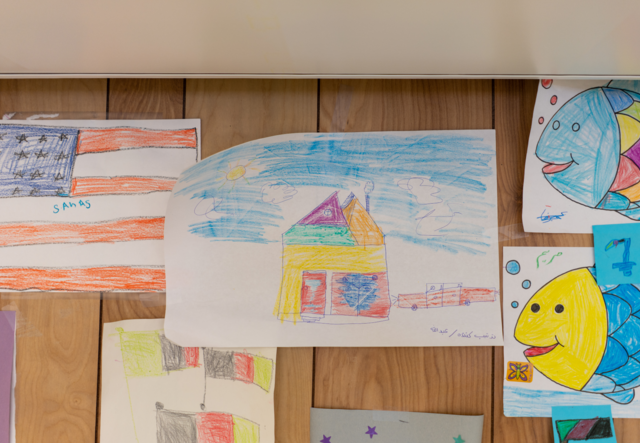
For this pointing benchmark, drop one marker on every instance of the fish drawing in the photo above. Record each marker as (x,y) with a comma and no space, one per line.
(591,148)
(584,336)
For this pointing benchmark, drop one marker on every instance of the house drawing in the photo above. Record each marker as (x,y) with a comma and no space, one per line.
(334,267)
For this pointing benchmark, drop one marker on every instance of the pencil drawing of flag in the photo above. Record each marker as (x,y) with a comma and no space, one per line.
(114,174)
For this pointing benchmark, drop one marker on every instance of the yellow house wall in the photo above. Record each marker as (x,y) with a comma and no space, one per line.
(298,258)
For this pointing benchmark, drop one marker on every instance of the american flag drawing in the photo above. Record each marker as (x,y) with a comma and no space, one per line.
(82,203)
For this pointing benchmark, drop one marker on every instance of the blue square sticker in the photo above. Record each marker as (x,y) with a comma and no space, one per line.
(617,253)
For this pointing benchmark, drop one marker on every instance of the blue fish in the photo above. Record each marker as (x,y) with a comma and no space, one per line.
(592,148)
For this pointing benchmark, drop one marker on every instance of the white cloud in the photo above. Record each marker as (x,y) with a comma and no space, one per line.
(429,225)
(278,192)
(422,189)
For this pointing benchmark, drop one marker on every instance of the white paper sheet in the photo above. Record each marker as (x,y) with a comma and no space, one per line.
(82,203)
(364,239)
(593,362)
(155,393)
(592,128)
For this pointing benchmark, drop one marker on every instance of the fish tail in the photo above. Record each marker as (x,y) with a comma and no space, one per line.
(622,397)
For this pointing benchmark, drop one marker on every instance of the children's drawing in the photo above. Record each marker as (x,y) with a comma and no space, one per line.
(340,245)
(204,427)
(586,429)
(315,239)
(625,266)
(157,391)
(582,423)
(446,294)
(588,151)
(582,339)
(82,202)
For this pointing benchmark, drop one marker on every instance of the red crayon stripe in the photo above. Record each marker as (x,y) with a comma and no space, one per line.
(19,234)
(114,139)
(120,185)
(244,367)
(112,278)
(191,356)
(475,295)
(214,427)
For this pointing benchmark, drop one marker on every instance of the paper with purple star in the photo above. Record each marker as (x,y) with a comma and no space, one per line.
(357,426)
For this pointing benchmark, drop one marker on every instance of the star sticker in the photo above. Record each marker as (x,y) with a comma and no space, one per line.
(21,155)
(16,191)
(63,136)
(371,431)
(18,174)
(458,439)
(34,191)
(41,154)
(36,174)
(61,156)
(42,139)
(58,177)
(22,138)
(325,439)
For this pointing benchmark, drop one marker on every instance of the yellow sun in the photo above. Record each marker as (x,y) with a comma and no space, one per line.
(235,173)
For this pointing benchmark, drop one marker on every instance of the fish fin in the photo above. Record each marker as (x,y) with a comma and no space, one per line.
(614,202)
(629,85)
(599,384)
(622,397)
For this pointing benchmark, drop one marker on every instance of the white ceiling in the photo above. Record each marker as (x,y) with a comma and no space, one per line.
(320,37)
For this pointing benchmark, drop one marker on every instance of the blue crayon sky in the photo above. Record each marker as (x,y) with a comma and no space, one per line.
(428,188)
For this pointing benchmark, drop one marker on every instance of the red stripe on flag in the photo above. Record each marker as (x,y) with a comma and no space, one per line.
(19,234)
(114,139)
(120,185)
(113,278)
(192,356)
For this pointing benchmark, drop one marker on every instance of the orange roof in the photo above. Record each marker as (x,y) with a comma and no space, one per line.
(362,226)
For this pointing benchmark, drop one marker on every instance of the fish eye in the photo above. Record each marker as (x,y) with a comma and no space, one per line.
(535,307)
(559,309)
(556,124)
(576,127)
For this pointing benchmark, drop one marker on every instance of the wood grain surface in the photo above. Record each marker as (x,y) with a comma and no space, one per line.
(59,334)
(442,380)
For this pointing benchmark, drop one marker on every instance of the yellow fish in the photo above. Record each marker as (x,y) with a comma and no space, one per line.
(584,336)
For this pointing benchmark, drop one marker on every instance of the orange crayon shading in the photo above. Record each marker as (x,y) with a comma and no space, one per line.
(18,234)
(114,139)
(120,185)
(112,278)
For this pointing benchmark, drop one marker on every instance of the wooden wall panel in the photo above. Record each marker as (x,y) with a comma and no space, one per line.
(238,111)
(57,365)
(145,98)
(70,98)
(235,112)
(443,380)
(57,335)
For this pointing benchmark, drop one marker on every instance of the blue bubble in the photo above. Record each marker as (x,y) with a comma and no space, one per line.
(526,284)
(513,267)
(514,304)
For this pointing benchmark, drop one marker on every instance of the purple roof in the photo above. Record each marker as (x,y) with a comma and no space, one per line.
(326,213)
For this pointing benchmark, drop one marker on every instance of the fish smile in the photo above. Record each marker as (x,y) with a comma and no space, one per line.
(553,168)
(534,351)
